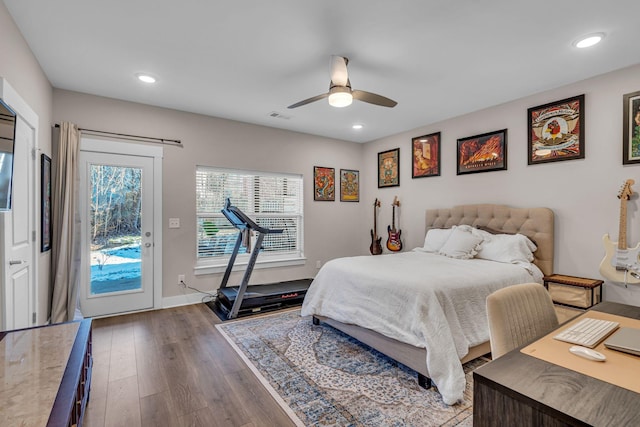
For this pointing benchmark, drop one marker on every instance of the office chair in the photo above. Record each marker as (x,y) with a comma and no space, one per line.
(518,314)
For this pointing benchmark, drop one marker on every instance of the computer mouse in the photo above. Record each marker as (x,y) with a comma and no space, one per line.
(588,353)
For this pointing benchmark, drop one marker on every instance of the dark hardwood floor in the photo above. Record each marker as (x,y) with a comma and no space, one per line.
(173,368)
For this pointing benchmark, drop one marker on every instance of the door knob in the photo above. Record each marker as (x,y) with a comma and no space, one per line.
(147,245)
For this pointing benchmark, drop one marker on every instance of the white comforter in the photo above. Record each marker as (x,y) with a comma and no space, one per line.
(419,298)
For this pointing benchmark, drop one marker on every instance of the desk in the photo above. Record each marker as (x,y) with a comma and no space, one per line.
(520,390)
(45,375)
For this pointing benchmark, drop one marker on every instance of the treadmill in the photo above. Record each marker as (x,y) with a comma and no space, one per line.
(245,299)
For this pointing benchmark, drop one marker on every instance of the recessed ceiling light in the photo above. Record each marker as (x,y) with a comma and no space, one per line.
(589,40)
(357,126)
(146,78)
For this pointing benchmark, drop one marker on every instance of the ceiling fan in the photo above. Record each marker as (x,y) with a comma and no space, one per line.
(340,93)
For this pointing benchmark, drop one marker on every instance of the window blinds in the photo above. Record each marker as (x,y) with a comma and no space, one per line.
(272,200)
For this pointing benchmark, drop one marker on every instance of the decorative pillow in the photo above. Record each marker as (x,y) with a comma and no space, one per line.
(509,248)
(436,238)
(461,244)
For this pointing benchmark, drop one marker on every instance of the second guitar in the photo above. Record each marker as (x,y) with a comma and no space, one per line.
(393,241)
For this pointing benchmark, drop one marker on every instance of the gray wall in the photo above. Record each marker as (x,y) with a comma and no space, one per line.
(21,69)
(582,193)
(329,226)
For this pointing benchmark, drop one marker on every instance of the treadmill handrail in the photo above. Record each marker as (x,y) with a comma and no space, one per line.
(239,220)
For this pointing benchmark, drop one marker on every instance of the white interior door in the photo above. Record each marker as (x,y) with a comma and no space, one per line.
(18,236)
(118,236)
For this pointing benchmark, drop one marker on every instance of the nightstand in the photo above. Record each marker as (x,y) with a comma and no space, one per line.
(578,292)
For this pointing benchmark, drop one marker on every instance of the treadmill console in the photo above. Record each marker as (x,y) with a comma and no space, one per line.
(241,221)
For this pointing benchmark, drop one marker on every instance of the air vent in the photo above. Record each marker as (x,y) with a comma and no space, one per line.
(277,115)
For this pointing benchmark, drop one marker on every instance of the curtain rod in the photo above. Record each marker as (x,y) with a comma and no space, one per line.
(130,137)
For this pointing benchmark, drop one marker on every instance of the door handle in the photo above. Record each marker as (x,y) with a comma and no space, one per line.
(147,245)
(16,262)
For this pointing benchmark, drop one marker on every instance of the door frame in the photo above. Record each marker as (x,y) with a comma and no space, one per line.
(30,118)
(113,146)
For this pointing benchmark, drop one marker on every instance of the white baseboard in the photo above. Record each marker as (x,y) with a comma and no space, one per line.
(186,299)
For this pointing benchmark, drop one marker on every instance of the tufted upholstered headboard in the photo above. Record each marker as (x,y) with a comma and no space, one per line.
(535,223)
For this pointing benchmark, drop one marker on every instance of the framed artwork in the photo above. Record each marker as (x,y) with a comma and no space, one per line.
(324,184)
(45,196)
(426,155)
(349,185)
(389,168)
(483,153)
(631,128)
(556,131)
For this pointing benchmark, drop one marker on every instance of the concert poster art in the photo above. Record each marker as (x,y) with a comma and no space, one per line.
(426,155)
(556,131)
(349,185)
(389,168)
(482,153)
(631,128)
(324,184)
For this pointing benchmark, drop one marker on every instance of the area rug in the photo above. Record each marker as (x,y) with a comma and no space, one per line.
(322,377)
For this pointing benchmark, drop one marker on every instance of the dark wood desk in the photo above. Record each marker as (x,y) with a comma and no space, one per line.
(45,375)
(520,390)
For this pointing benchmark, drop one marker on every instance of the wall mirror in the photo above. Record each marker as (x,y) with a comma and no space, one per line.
(7,138)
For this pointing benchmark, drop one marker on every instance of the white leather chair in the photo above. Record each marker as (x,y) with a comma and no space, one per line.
(518,314)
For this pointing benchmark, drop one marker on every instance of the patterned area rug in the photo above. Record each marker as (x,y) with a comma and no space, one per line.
(322,377)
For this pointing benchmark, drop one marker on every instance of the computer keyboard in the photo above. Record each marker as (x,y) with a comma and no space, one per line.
(588,332)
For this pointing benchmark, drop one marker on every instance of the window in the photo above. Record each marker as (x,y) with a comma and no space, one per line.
(271,200)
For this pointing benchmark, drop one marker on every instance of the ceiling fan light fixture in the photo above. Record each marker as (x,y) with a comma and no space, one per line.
(340,97)
(340,93)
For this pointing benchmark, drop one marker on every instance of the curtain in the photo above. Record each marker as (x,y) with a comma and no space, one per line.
(65,245)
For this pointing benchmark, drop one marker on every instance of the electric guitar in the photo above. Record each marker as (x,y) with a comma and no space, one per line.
(620,264)
(376,247)
(393,242)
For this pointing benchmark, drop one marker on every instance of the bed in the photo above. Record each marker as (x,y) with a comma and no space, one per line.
(439,326)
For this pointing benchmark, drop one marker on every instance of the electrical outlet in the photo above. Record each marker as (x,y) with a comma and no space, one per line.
(318,264)
(181,280)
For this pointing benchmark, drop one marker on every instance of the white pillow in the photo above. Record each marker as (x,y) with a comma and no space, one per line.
(436,238)
(509,248)
(461,244)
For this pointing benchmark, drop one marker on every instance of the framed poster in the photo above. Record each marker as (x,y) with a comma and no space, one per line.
(324,184)
(349,185)
(45,203)
(389,168)
(483,153)
(631,128)
(426,155)
(556,131)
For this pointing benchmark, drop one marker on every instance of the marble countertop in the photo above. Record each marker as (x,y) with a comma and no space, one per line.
(32,363)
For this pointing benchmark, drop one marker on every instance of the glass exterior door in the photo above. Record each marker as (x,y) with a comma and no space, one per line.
(117,229)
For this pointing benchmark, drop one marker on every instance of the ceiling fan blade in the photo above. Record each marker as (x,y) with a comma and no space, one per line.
(373,98)
(308,101)
(339,73)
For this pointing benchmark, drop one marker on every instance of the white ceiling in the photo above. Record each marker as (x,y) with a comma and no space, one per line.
(244,59)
